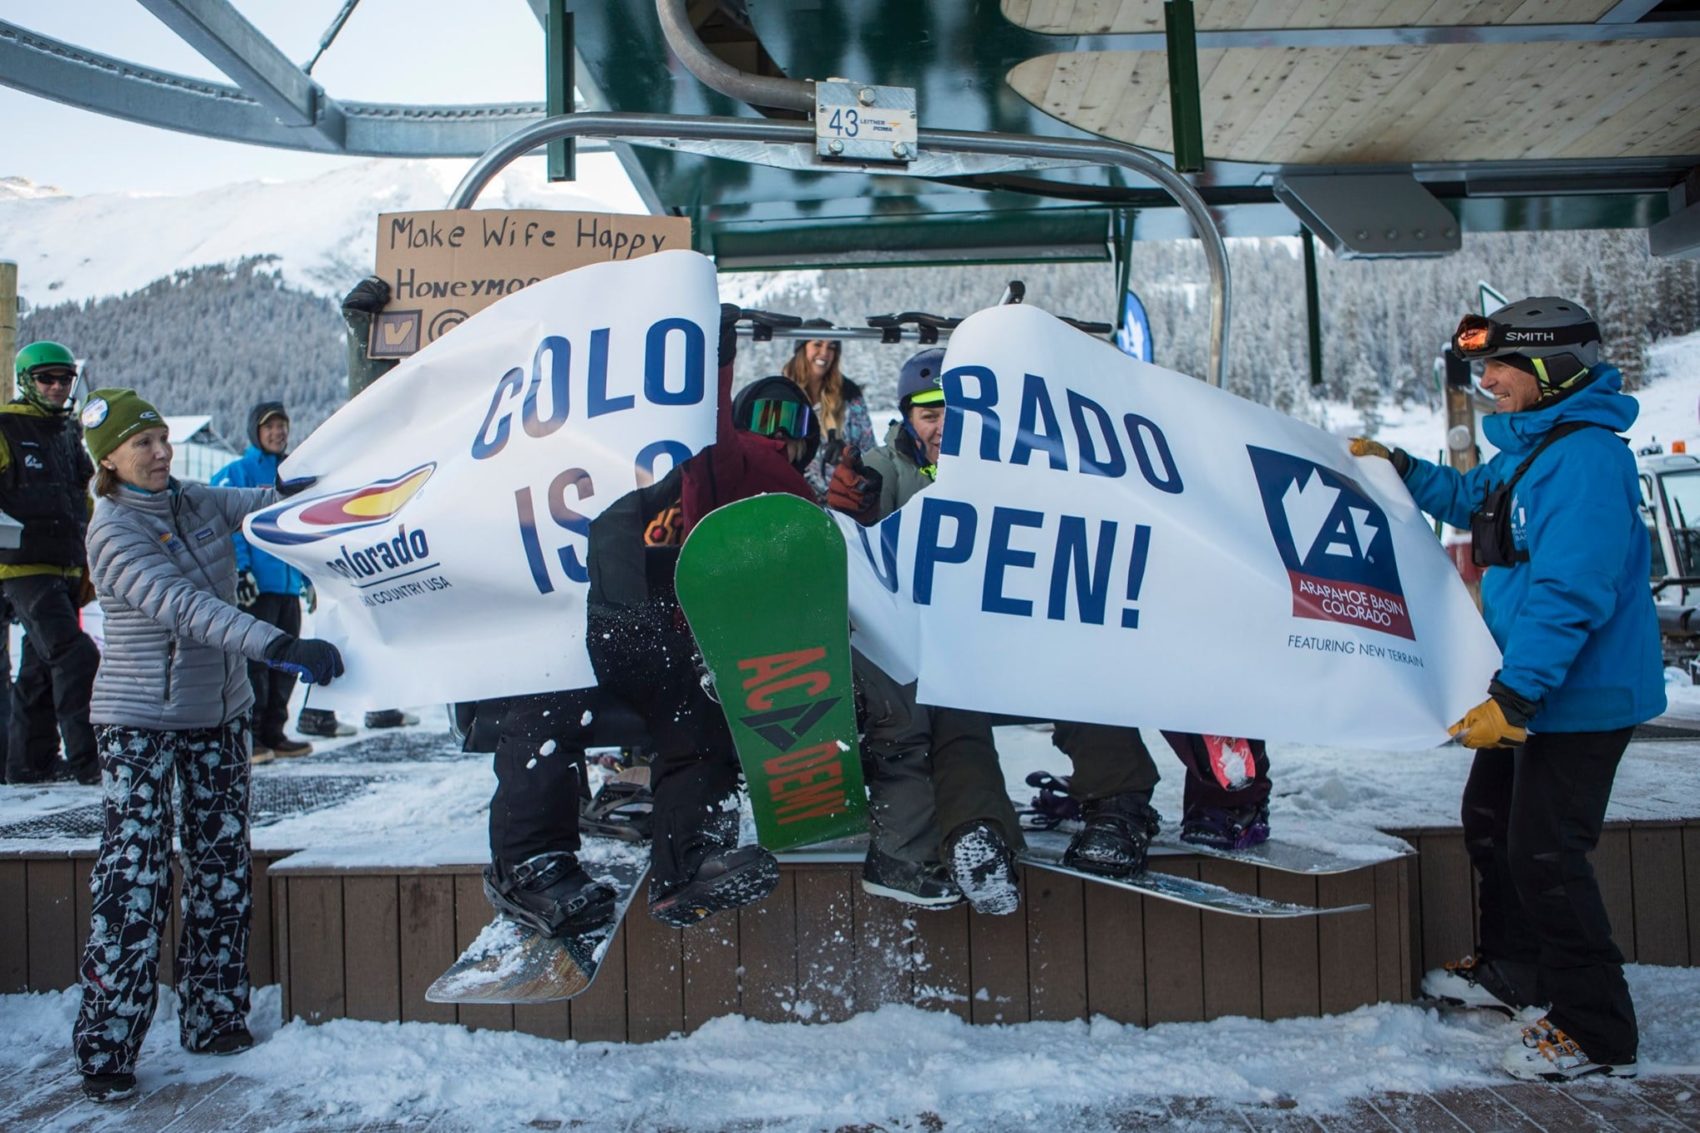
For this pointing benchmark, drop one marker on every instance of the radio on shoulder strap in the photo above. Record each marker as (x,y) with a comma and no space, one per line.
(1490,524)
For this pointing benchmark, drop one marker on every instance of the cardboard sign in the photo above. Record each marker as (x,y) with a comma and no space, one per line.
(445,265)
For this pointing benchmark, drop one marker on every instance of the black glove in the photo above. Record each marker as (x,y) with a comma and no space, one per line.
(247,588)
(287,488)
(314,661)
(369,295)
(855,490)
(730,313)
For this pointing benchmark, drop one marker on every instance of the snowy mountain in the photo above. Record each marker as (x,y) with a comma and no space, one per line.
(71,248)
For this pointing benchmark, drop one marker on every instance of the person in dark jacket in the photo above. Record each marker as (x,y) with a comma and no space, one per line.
(44,476)
(266,586)
(1555,518)
(642,654)
(170,703)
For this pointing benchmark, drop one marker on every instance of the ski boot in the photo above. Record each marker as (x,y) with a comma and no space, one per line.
(550,893)
(983,866)
(1227,828)
(1476,981)
(1052,806)
(1117,834)
(1547,1054)
(924,884)
(720,874)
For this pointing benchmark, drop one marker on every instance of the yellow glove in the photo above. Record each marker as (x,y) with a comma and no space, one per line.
(1363,446)
(1485,725)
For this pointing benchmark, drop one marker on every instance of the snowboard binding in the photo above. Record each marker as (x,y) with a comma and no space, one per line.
(621,809)
(1052,806)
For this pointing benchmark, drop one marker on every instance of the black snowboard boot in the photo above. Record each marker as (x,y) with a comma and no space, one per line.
(1116,835)
(108,1087)
(724,879)
(231,1042)
(550,894)
(980,860)
(1226,828)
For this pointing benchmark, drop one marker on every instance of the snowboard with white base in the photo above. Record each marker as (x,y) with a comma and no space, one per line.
(511,963)
(1045,851)
(1371,847)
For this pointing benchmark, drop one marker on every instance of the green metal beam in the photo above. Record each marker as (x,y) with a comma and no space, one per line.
(1313,309)
(558,75)
(1181,35)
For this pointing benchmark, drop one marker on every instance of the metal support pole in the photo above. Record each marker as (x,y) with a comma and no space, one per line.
(667,130)
(1313,310)
(8,326)
(1123,253)
(558,75)
(1180,33)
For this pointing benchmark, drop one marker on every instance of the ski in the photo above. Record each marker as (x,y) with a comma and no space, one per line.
(1045,851)
(763,583)
(511,963)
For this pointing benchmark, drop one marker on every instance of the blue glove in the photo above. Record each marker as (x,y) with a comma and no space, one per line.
(287,488)
(314,661)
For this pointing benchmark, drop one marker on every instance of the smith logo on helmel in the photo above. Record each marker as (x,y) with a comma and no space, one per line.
(1335,543)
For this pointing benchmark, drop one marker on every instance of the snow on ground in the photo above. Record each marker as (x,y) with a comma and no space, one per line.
(892,1066)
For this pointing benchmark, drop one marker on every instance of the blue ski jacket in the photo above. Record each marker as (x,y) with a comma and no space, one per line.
(1575,623)
(257,468)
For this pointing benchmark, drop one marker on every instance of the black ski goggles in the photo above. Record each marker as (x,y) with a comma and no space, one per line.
(1479,337)
(774,417)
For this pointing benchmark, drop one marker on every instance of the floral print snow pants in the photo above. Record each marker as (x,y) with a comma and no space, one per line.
(132,885)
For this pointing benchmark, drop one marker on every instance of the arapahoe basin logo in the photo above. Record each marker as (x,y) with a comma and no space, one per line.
(292,524)
(1335,543)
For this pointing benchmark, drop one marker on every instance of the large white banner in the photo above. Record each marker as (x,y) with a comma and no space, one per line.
(1111,541)
(447,532)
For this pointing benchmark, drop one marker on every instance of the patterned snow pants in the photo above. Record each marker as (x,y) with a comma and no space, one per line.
(132,885)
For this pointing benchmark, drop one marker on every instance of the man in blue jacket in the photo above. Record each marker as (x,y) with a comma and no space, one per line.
(267,587)
(1554,516)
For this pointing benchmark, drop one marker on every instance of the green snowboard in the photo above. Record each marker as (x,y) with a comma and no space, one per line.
(764,585)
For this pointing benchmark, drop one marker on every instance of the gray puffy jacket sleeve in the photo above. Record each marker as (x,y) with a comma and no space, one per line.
(134,566)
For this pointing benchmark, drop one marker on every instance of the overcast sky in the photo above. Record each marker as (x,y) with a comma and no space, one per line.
(420,51)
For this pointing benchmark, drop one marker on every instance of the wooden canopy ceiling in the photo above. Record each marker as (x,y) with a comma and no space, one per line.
(1319,104)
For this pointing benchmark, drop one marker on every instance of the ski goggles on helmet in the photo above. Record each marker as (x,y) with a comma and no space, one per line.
(55,374)
(1479,337)
(773,416)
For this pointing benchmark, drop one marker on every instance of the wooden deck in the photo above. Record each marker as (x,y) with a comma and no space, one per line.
(365,945)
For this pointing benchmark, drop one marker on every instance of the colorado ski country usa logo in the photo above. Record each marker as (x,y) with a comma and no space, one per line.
(325,517)
(1335,543)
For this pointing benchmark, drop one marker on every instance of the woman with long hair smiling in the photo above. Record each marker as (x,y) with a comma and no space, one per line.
(838,406)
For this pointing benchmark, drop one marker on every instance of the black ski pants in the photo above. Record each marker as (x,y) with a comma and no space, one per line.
(273,687)
(645,656)
(131,884)
(1531,815)
(897,765)
(55,679)
(539,759)
(1216,775)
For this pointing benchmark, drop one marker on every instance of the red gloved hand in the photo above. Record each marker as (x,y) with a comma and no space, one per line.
(855,490)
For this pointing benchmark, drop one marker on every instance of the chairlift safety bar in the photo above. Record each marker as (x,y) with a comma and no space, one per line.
(792,144)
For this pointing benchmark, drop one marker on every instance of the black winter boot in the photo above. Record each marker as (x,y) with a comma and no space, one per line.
(550,893)
(1117,832)
(108,1087)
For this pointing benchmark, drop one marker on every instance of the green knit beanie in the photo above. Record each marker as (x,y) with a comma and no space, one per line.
(113,416)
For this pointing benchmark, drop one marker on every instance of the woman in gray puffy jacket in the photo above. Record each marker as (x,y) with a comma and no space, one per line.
(171,699)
